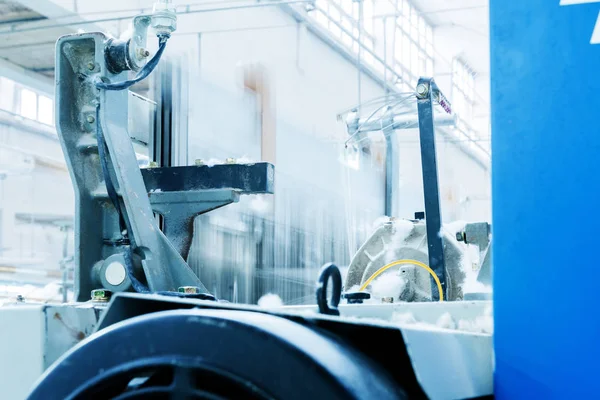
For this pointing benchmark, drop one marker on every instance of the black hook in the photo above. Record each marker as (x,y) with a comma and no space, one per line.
(329,307)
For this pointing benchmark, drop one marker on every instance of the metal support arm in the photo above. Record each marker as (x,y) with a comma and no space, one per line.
(164,268)
(427,92)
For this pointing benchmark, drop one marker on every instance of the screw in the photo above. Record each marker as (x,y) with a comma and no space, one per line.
(90,119)
(143,53)
(101,295)
(91,66)
(199,162)
(422,90)
(189,289)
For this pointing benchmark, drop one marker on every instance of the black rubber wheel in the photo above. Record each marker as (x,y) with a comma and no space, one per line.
(213,354)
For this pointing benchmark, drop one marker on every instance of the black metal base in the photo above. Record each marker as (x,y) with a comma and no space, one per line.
(217,354)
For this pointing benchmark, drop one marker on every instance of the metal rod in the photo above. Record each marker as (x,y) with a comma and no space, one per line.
(392,169)
(385,57)
(401,122)
(359,55)
(164,137)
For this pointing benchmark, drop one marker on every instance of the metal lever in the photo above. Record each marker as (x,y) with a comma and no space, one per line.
(427,93)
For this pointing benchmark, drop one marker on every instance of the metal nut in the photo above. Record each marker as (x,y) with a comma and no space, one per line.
(422,90)
(164,18)
(189,289)
(101,295)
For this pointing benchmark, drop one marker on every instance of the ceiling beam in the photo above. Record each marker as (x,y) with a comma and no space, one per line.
(63,9)
(26,77)
(49,8)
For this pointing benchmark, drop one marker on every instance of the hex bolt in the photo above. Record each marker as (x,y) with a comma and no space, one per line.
(90,119)
(422,90)
(91,66)
(189,290)
(101,295)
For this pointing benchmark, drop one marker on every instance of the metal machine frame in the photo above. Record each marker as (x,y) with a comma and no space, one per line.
(115,201)
(153,343)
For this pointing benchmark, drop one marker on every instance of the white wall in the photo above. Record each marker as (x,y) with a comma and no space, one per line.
(449,42)
(37,182)
(463,183)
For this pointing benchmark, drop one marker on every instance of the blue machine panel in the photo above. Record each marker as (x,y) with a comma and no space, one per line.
(545,76)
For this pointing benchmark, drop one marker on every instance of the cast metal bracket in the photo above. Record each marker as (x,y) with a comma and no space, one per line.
(82,112)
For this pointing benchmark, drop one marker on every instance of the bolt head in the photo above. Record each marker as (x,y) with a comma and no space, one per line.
(90,119)
(115,273)
(422,90)
(91,66)
(101,295)
(189,289)
(143,53)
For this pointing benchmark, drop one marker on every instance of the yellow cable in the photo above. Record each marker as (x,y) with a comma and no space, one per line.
(399,262)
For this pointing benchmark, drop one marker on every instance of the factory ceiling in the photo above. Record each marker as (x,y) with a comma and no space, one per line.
(27,37)
(12,12)
(33,50)
(467,22)
(24,41)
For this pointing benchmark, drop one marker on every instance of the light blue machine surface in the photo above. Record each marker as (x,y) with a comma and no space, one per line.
(545,73)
